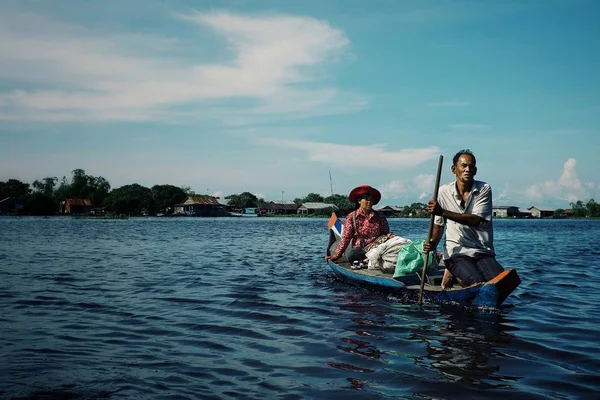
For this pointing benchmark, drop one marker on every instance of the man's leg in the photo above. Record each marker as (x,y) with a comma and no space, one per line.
(488,267)
(464,268)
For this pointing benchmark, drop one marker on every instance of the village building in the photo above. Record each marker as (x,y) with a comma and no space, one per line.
(310,208)
(538,212)
(282,207)
(509,212)
(75,206)
(505,211)
(389,211)
(200,206)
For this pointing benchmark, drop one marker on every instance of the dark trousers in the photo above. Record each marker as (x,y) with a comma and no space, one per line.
(470,270)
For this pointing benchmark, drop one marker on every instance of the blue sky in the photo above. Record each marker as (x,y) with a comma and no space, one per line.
(272,96)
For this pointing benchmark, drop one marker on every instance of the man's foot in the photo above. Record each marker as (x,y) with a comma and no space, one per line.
(447,280)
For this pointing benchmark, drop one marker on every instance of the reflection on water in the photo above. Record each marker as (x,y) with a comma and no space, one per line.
(231,308)
(457,344)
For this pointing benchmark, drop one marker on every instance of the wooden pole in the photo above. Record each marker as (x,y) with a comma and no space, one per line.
(435,195)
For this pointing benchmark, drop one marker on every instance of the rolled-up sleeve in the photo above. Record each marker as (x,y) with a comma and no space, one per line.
(483,203)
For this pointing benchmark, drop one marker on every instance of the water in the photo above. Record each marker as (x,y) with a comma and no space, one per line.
(197,308)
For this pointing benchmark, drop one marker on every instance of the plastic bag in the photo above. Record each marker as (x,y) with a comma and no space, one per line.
(411,258)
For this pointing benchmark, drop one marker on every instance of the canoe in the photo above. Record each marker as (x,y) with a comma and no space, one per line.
(489,294)
(486,294)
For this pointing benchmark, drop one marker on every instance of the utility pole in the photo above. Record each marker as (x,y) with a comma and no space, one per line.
(282,196)
(330,183)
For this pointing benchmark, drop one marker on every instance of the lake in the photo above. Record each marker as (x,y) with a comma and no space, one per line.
(193,308)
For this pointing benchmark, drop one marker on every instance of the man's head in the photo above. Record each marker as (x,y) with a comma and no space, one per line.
(464,166)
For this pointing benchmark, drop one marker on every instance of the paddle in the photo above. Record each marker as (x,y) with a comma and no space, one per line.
(435,195)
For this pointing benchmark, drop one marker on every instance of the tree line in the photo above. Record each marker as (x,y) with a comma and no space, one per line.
(43,197)
(579,209)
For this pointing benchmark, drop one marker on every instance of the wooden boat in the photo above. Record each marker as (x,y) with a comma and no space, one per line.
(487,294)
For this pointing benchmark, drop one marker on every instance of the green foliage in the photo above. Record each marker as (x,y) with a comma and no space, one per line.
(593,209)
(579,209)
(341,202)
(313,198)
(166,196)
(82,186)
(589,209)
(45,186)
(243,200)
(131,200)
(14,188)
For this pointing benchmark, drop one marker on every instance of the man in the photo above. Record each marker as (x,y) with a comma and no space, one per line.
(465,207)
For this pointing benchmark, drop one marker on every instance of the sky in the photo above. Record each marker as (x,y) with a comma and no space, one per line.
(276,97)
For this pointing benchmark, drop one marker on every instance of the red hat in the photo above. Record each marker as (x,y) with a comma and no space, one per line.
(365,189)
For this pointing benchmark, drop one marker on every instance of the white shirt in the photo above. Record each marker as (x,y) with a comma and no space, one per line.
(463,239)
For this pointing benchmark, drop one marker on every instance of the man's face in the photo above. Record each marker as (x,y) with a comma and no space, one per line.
(465,168)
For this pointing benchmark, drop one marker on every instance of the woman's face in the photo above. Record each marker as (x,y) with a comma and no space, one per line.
(366,202)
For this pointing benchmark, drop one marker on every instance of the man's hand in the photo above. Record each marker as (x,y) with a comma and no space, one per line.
(327,258)
(434,207)
(428,246)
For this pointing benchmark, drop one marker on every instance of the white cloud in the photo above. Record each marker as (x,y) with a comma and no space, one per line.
(68,72)
(569,176)
(568,187)
(373,157)
(394,189)
(420,186)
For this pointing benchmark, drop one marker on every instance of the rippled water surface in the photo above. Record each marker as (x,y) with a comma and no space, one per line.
(196,308)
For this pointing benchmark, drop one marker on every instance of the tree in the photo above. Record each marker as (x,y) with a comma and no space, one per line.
(166,196)
(313,198)
(593,208)
(14,188)
(83,186)
(342,202)
(579,209)
(243,200)
(131,199)
(45,186)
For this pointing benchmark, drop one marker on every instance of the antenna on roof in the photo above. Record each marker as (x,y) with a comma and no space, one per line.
(330,183)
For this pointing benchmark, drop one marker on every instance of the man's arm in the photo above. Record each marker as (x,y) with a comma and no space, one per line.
(465,219)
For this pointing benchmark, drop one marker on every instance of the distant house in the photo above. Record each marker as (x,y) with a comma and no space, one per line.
(537,212)
(282,207)
(505,211)
(200,206)
(310,208)
(388,211)
(75,206)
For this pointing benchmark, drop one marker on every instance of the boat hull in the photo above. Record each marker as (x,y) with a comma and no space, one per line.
(488,294)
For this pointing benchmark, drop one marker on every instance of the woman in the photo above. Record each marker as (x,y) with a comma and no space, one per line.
(364,227)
